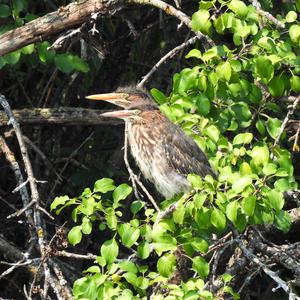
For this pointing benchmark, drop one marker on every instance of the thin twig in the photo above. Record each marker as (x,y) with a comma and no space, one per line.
(20,181)
(280,282)
(171,10)
(170,54)
(63,253)
(33,187)
(291,110)
(267,15)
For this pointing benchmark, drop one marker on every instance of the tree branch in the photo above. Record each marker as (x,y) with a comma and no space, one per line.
(62,115)
(52,23)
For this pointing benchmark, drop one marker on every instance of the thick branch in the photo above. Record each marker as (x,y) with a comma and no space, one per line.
(66,17)
(73,15)
(59,116)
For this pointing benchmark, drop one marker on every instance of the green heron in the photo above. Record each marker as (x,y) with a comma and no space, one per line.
(164,153)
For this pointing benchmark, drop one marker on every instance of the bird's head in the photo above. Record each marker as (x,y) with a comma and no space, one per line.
(127,98)
(134,102)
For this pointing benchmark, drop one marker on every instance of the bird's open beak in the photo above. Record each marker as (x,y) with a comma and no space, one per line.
(121,114)
(119,99)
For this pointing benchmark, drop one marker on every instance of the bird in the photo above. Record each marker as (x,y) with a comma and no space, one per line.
(164,153)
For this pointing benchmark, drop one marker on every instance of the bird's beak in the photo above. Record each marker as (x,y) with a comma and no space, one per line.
(119,99)
(121,114)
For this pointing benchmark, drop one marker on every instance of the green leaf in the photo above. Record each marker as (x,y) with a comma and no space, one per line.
(231,210)
(248,205)
(136,206)
(239,8)
(276,199)
(164,242)
(224,70)
(143,250)
(201,22)
(166,265)
(158,96)
(283,221)
(276,86)
(128,266)
(13,57)
(109,250)
(243,138)
(269,169)
(131,278)
(291,16)
(92,269)
(178,214)
(104,185)
(260,126)
(294,33)
(4,11)
(218,219)
(295,84)
(195,180)
(260,155)
(86,225)
(111,219)
(79,64)
(128,234)
(199,200)
(203,104)
(121,192)
(273,127)
(64,62)
(45,56)
(264,68)
(75,235)
(59,201)
(239,185)
(194,53)
(212,132)
(28,49)
(201,266)
(199,244)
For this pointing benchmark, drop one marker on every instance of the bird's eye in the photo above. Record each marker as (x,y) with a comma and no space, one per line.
(136,112)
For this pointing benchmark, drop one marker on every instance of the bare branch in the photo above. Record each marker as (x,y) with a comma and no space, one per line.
(291,110)
(62,115)
(169,55)
(39,29)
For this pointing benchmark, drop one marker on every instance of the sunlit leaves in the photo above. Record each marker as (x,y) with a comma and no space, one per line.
(104,185)
(201,22)
(238,7)
(294,33)
(166,264)
(200,266)
(264,69)
(75,235)
(109,250)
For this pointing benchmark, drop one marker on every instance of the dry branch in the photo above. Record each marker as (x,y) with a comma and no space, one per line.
(73,15)
(58,116)
(64,18)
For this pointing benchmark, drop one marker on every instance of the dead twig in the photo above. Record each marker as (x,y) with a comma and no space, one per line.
(291,110)
(169,55)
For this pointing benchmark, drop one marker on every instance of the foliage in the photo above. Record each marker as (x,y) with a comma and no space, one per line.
(231,95)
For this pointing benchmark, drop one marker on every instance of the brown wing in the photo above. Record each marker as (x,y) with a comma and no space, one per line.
(183,153)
